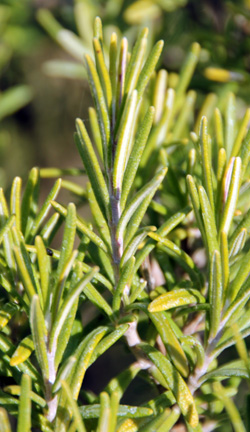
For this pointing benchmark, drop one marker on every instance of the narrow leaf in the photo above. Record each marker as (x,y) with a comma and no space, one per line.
(24,410)
(215,294)
(39,333)
(175,298)
(23,351)
(92,167)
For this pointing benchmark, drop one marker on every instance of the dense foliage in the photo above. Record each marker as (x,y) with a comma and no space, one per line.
(163,270)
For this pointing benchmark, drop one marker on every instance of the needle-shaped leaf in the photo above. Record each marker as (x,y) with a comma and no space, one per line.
(241,276)
(171,342)
(175,298)
(92,167)
(231,196)
(103,72)
(44,266)
(105,414)
(39,333)
(67,305)
(81,226)
(123,285)
(238,243)
(23,351)
(186,73)
(24,410)
(209,221)
(149,67)
(175,383)
(95,129)
(83,360)
(97,299)
(63,373)
(245,153)
(15,200)
(65,252)
(73,405)
(101,108)
(10,222)
(7,311)
(224,264)
(122,65)
(136,153)
(138,206)
(206,161)
(15,390)
(135,243)
(215,293)
(30,200)
(123,142)
(44,210)
(4,420)
(93,411)
(230,123)
(218,128)
(135,62)
(98,217)
(26,273)
(241,134)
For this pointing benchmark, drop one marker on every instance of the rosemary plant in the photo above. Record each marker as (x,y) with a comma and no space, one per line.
(166,265)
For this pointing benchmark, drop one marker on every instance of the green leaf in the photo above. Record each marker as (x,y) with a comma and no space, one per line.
(136,153)
(241,276)
(65,254)
(102,72)
(215,293)
(238,243)
(84,359)
(98,217)
(15,200)
(96,298)
(44,210)
(95,130)
(6,227)
(186,73)
(138,206)
(30,200)
(92,167)
(93,411)
(44,266)
(245,153)
(206,161)
(123,137)
(39,333)
(4,421)
(230,123)
(241,134)
(7,311)
(172,345)
(67,305)
(135,243)
(15,390)
(175,383)
(73,406)
(149,67)
(23,351)
(135,62)
(102,112)
(105,414)
(209,222)
(231,196)
(175,298)
(24,410)
(123,286)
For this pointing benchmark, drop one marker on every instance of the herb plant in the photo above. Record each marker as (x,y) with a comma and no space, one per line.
(165,265)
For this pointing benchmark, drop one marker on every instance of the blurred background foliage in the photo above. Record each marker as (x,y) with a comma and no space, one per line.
(42,77)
